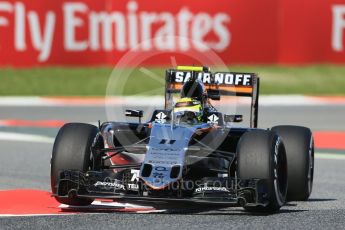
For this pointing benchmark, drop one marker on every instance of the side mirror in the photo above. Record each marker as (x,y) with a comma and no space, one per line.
(134,113)
(233,118)
(213,94)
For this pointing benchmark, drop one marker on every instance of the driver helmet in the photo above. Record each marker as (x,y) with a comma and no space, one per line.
(189,109)
(193,89)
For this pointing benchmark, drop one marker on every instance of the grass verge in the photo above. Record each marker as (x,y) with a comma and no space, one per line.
(309,80)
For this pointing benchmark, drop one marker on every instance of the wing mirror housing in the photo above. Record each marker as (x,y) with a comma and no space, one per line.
(134,113)
(213,94)
(233,118)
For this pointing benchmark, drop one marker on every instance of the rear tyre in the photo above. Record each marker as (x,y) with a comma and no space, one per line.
(72,151)
(261,155)
(299,147)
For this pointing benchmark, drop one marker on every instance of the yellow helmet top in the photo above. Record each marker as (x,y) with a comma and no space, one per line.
(188,104)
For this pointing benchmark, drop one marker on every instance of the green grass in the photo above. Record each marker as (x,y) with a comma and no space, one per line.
(311,80)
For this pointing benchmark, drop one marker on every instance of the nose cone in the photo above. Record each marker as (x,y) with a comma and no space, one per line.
(165,155)
(160,176)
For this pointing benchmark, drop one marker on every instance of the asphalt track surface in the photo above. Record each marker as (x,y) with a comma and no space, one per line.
(25,164)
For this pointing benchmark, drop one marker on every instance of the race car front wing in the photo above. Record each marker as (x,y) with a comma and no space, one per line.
(225,191)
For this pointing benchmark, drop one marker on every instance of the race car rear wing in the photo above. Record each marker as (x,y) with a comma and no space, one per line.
(217,84)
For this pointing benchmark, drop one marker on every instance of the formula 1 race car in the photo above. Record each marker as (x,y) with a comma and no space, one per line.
(187,153)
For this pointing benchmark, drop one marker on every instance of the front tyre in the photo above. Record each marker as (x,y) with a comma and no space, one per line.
(261,155)
(72,151)
(299,147)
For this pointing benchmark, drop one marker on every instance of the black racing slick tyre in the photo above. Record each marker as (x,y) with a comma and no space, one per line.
(299,147)
(261,155)
(72,151)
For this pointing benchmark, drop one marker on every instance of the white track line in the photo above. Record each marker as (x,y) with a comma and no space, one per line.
(30,215)
(23,101)
(7,136)
(265,100)
(97,204)
(330,156)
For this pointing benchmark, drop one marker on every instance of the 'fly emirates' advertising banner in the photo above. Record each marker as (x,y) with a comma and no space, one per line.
(88,32)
